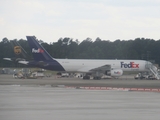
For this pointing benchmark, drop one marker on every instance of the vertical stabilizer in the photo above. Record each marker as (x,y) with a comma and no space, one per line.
(38,52)
(41,57)
(18,50)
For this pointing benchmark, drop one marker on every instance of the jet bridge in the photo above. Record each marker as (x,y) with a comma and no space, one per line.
(153,69)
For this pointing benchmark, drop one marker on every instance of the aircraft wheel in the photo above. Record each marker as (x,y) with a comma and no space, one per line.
(97,78)
(86,77)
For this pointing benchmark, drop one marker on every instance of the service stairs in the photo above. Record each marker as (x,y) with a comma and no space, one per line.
(154,70)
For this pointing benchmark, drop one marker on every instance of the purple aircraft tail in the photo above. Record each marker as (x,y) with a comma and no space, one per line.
(41,57)
(38,52)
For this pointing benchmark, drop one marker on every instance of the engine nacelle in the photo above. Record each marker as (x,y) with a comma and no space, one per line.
(114,72)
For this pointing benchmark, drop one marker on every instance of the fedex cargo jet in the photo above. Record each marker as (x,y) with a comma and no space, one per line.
(96,67)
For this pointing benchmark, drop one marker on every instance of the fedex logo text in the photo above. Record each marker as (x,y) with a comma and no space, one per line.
(39,50)
(130,65)
(117,72)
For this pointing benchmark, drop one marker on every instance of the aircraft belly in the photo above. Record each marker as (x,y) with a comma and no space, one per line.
(70,67)
(81,67)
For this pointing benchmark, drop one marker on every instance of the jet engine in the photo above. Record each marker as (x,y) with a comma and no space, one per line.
(114,72)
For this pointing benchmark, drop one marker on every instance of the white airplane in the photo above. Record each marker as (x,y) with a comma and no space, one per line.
(95,67)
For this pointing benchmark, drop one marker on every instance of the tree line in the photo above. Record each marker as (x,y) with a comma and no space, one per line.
(139,48)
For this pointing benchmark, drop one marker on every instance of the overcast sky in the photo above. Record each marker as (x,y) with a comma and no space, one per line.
(50,20)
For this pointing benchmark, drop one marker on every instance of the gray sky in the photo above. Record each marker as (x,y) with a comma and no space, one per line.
(50,20)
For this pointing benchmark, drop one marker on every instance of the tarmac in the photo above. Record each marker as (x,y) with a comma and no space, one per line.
(20,102)
(126,81)
(49,99)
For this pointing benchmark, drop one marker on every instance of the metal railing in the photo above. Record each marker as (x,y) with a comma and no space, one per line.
(154,70)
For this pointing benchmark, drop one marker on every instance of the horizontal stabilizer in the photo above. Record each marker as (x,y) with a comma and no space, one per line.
(9,59)
(23,62)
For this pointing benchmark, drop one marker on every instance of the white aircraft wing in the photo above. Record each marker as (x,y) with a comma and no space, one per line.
(93,69)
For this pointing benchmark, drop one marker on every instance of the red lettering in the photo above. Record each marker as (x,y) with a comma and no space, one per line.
(137,65)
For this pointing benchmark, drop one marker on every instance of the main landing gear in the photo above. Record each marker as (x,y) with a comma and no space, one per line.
(86,77)
(97,78)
